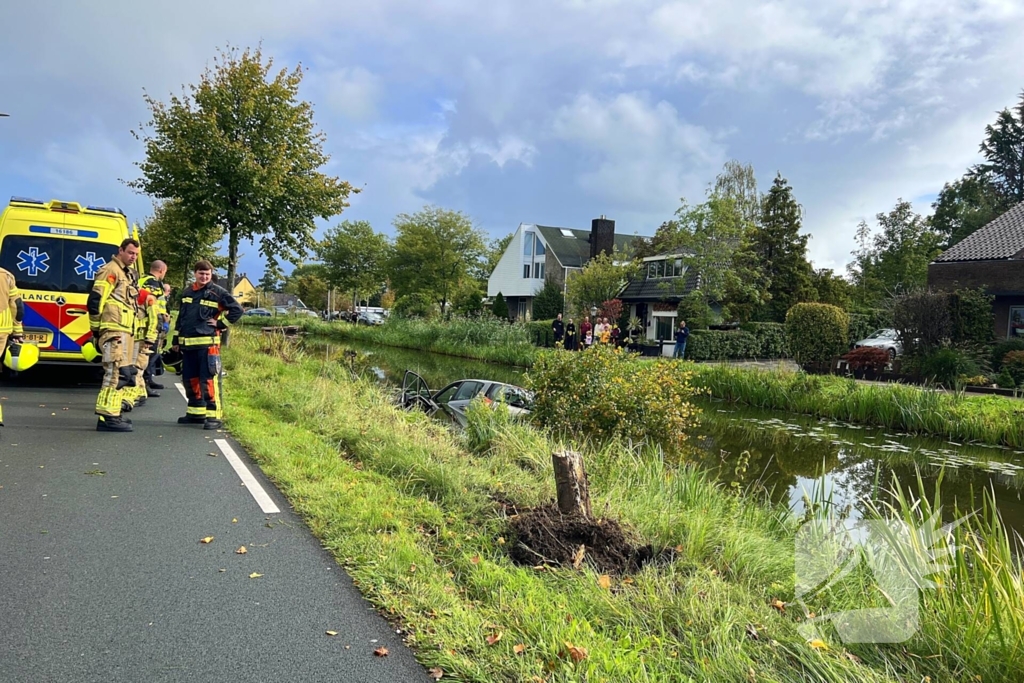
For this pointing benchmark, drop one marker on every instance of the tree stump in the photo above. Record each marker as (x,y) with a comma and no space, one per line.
(571,483)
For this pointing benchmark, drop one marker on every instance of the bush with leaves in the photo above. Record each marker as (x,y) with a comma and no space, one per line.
(867,358)
(944,366)
(417,305)
(549,301)
(971,317)
(499,308)
(817,333)
(1000,350)
(771,339)
(865,322)
(922,322)
(605,393)
(1013,364)
(721,345)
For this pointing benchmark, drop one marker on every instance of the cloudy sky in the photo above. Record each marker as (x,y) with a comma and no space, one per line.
(551,112)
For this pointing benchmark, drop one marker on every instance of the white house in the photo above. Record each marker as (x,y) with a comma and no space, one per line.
(537,252)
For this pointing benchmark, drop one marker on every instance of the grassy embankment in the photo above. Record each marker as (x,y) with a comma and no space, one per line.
(410,509)
(487,340)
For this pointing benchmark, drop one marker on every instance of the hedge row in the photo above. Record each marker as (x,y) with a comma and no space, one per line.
(755,340)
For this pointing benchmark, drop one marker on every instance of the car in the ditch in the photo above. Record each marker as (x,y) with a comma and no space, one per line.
(454,400)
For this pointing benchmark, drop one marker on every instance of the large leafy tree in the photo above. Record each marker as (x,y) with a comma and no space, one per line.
(309,283)
(1003,149)
(239,151)
(894,259)
(435,250)
(716,241)
(831,288)
(601,279)
(738,182)
(549,301)
(355,257)
(781,251)
(964,206)
(170,236)
(271,280)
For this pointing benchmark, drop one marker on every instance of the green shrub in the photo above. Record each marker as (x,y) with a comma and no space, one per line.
(605,393)
(1000,350)
(817,333)
(540,333)
(549,301)
(721,345)
(499,308)
(771,339)
(1005,380)
(945,366)
(864,323)
(1013,363)
(416,305)
(970,311)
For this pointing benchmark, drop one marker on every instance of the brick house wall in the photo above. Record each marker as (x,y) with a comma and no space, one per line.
(1004,279)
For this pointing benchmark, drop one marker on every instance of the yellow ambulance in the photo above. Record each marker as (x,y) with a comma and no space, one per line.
(54,250)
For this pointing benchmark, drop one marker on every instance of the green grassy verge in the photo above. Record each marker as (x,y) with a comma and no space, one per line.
(410,510)
(487,340)
(956,416)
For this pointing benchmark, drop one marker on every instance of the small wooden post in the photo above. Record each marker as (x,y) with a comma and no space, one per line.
(571,483)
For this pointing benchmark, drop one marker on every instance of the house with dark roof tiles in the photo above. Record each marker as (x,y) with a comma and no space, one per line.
(991,258)
(539,252)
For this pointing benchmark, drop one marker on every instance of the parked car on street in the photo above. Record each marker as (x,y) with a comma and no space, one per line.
(369,318)
(882,339)
(453,400)
(261,312)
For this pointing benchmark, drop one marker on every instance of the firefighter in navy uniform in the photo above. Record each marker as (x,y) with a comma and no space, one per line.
(112,320)
(197,336)
(12,312)
(153,283)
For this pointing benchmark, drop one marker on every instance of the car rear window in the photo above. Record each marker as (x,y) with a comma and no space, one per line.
(51,264)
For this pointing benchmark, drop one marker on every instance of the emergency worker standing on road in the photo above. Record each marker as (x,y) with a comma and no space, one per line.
(197,335)
(112,320)
(156,312)
(12,312)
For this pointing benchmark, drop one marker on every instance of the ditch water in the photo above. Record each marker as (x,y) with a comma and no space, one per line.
(781,455)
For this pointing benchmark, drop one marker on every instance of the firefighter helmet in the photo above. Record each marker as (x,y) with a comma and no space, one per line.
(21,357)
(90,351)
(172,359)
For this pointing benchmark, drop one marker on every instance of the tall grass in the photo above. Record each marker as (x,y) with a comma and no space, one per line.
(487,339)
(411,509)
(918,410)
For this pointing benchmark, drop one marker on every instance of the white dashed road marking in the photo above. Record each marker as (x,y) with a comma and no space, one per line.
(262,499)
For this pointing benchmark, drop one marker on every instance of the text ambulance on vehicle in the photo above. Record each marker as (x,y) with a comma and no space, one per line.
(54,250)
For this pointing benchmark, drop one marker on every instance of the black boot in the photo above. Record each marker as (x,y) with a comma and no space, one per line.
(140,401)
(156,385)
(126,406)
(191,420)
(112,424)
(213,423)
(150,393)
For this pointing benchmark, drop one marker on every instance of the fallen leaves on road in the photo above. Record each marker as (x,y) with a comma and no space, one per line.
(255,575)
(212,455)
(96,473)
(234,520)
(332,633)
(207,540)
(241,551)
(381,652)
(437,673)
(494,638)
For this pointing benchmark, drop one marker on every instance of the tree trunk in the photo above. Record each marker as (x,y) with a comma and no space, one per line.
(571,483)
(232,258)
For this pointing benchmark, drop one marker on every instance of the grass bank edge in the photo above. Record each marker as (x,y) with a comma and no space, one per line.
(417,531)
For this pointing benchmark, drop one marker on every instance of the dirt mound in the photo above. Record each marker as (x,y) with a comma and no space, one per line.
(544,536)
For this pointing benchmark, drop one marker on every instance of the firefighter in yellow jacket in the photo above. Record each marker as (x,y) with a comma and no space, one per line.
(12,312)
(111,305)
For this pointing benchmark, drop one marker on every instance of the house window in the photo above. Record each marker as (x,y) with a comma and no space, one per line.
(1015,330)
(538,271)
(539,250)
(664,327)
(528,244)
(526,270)
(678,268)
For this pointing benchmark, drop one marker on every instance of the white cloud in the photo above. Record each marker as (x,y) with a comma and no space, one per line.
(352,92)
(643,154)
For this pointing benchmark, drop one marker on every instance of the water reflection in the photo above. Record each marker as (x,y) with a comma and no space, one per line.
(790,456)
(784,455)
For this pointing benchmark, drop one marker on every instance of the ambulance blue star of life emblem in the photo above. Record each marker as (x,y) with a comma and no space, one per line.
(33,262)
(88,265)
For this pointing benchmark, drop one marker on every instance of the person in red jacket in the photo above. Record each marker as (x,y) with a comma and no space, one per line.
(197,336)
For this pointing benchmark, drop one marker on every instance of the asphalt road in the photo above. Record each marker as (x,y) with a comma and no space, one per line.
(103,576)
